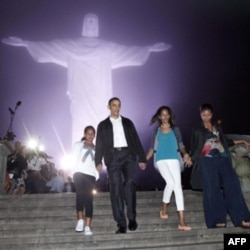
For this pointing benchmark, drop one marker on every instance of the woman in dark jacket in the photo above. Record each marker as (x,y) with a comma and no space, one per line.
(221,187)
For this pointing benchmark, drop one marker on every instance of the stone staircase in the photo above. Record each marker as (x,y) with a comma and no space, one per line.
(47,221)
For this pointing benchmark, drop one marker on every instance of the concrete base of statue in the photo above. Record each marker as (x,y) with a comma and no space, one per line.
(241,161)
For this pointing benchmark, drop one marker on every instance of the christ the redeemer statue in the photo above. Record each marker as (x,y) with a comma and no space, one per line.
(89,61)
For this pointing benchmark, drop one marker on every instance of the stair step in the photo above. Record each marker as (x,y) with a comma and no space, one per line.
(113,241)
(47,221)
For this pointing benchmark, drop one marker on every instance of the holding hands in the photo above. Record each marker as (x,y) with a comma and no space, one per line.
(187,160)
(142,165)
(99,168)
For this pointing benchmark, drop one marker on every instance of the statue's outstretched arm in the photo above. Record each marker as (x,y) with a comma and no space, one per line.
(158,47)
(14,41)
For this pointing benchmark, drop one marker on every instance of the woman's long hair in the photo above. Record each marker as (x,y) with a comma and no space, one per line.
(155,117)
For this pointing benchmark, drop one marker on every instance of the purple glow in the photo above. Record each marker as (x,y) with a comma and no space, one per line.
(209,55)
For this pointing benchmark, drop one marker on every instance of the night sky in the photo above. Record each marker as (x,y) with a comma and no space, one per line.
(208,62)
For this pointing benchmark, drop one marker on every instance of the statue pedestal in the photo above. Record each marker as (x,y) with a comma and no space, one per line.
(5,150)
(241,161)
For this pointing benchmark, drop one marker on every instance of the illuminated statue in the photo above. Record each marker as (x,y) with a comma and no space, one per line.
(90,62)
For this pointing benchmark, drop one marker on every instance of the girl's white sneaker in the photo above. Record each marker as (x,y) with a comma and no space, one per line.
(87,231)
(79,225)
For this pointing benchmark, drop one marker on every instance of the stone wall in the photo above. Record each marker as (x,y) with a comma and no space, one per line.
(241,161)
(5,150)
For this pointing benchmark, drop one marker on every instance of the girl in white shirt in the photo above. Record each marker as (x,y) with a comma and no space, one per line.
(84,177)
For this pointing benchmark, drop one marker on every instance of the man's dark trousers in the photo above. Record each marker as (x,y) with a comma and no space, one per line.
(121,173)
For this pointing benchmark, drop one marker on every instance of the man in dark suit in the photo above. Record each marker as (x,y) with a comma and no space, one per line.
(118,142)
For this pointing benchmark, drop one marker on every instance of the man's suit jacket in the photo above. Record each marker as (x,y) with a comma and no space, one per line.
(105,142)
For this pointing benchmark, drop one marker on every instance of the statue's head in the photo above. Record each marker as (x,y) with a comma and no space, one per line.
(90,25)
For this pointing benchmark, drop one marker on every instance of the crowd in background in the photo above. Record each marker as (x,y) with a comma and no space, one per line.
(32,171)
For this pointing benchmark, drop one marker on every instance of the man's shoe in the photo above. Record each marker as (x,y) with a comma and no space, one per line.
(132,226)
(121,230)
(79,225)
